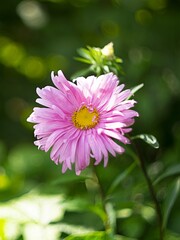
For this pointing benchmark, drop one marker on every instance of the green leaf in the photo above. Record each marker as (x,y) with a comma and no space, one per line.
(95,54)
(111,216)
(97,236)
(33,208)
(89,236)
(171,235)
(121,177)
(73,229)
(83,60)
(106,69)
(148,138)
(172,194)
(84,53)
(40,231)
(120,237)
(98,211)
(118,60)
(135,89)
(77,205)
(171,171)
(2,229)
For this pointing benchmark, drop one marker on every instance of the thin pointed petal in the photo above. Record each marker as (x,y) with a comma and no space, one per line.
(56,127)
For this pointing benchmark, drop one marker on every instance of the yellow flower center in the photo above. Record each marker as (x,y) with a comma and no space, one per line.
(85,118)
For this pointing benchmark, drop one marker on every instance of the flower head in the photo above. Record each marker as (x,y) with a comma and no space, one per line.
(80,121)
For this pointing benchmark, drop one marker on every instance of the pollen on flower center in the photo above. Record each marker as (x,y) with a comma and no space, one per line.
(85,118)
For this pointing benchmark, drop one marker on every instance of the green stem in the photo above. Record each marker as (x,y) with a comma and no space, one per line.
(154,197)
(107,224)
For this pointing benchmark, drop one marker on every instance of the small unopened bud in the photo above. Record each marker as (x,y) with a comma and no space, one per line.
(108,50)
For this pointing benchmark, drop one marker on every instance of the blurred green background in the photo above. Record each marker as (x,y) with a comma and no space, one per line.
(37,37)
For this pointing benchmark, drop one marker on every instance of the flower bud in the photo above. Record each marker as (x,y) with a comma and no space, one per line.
(108,50)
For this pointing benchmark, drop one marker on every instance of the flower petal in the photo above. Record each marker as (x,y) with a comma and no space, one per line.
(73,144)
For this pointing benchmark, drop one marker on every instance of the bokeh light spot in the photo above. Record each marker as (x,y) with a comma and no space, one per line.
(4,180)
(34,67)
(32,14)
(143,16)
(124,213)
(57,62)
(14,108)
(11,54)
(157,4)
(110,28)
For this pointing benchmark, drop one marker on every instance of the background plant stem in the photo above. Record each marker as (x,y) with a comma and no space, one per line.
(107,224)
(153,195)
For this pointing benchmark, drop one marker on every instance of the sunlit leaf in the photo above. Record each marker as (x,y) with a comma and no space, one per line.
(33,208)
(73,229)
(171,196)
(89,236)
(171,171)
(148,138)
(111,216)
(12,230)
(38,231)
(2,229)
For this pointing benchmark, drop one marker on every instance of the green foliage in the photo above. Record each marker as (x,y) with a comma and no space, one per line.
(149,139)
(172,171)
(31,213)
(95,235)
(135,89)
(120,178)
(170,199)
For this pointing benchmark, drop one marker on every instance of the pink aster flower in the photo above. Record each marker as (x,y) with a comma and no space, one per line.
(81,121)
